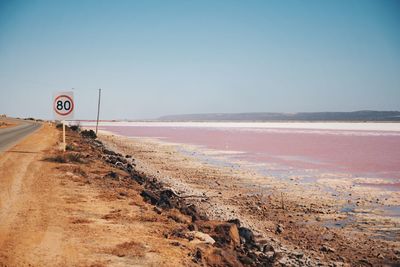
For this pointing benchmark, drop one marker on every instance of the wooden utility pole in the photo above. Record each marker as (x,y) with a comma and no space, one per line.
(98,111)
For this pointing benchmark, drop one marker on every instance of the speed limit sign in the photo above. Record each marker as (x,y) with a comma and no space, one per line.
(63,105)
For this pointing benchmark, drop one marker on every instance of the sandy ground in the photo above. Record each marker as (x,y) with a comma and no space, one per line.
(291,216)
(67,214)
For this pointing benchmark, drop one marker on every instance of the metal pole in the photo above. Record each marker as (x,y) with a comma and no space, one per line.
(98,111)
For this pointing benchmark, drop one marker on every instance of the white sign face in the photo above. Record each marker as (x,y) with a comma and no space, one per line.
(63,105)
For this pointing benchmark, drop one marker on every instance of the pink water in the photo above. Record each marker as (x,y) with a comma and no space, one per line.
(368,154)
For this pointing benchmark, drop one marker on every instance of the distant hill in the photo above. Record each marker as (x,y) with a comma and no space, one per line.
(362,115)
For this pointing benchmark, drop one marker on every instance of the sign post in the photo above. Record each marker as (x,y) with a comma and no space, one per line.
(63,109)
(64,143)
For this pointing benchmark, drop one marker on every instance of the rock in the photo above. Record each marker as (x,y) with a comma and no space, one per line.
(109,152)
(246,260)
(227,234)
(279,229)
(325,248)
(157,210)
(247,235)
(178,232)
(150,196)
(268,248)
(298,254)
(89,134)
(235,221)
(253,255)
(112,175)
(111,160)
(123,160)
(199,237)
(166,197)
(98,143)
(269,254)
(285,261)
(259,254)
(175,243)
(259,247)
(198,256)
(328,236)
(129,167)
(192,211)
(123,194)
(119,164)
(193,227)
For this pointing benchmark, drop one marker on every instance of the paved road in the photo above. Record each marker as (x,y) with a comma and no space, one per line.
(11,136)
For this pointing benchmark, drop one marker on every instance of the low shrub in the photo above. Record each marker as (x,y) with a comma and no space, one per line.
(58,159)
(75,128)
(79,171)
(89,134)
(69,147)
(74,157)
(65,158)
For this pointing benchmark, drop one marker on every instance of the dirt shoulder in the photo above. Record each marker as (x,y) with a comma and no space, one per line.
(306,224)
(6,122)
(70,214)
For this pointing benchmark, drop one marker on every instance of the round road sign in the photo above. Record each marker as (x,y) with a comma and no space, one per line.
(63,105)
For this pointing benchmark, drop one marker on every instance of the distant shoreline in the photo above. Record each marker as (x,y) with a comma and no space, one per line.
(247,121)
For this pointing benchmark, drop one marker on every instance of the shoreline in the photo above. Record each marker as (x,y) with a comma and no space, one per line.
(232,196)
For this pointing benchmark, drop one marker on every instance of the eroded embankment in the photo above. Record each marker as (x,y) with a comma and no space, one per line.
(212,242)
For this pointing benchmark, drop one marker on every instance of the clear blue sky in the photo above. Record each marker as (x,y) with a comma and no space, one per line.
(156,58)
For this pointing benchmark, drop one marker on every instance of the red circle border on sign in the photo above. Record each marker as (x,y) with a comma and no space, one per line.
(72,104)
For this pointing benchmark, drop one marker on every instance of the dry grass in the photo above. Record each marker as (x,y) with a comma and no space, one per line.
(80,220)
(66,158)
(132,249)
(57,159)
(79,171)
(75,157)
